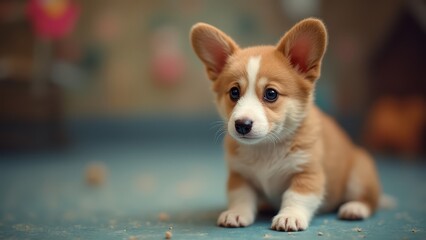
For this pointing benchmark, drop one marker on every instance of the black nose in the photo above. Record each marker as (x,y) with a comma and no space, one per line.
(243,126)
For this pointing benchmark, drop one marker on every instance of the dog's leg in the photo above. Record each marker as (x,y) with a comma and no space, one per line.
(242,203)
(362,190)
(300,202)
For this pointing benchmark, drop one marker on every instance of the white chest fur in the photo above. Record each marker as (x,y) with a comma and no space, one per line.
(268,168)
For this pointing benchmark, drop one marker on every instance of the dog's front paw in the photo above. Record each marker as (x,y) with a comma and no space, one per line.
(290,220)
(235,218)
(354,211)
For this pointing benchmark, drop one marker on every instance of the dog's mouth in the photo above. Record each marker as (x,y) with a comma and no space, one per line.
(247,138)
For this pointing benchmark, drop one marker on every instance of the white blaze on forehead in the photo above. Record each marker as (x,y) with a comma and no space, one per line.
(252,70)
(250,99)
(249,106)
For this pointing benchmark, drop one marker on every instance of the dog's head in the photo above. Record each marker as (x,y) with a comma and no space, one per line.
(262,92)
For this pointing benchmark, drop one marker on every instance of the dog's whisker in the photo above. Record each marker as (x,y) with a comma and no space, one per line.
(217,124)
(219,133)
(275,138)
(220,129)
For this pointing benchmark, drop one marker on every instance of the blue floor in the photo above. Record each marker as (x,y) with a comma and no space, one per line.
(44,196)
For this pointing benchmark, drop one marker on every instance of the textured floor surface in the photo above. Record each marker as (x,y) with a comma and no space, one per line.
(151,187)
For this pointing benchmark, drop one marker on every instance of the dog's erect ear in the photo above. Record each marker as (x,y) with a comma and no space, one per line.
(213,47)
(304,46)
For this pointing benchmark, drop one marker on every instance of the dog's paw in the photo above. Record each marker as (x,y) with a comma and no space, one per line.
(354,211)
(290,220)
(234,218)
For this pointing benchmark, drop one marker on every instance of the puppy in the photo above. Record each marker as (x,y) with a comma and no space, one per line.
(279,146)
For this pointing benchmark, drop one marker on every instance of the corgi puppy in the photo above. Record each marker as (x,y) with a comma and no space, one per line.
(279,146)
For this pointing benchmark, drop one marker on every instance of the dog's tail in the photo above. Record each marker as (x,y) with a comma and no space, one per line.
(387,202)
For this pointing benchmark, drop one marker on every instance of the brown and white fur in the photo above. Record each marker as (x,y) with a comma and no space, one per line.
(290,154)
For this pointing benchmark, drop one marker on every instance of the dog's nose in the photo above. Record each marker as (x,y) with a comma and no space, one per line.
(243,126)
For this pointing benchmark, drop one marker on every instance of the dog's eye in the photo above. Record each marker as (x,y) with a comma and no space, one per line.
(271,95)
(234,94)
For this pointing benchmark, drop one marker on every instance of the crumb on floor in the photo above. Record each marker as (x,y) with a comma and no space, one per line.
(267,235)
(357,229)
(320,233)
(22,227)
(168,235)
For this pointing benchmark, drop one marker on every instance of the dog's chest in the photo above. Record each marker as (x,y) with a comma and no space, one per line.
(269,169)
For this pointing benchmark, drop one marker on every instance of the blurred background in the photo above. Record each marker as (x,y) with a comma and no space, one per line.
(74,71)
(108,128)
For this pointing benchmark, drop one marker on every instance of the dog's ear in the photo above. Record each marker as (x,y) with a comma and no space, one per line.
(304,46)
(213,47)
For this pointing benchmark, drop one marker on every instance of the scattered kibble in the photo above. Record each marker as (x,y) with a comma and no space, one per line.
(320,233)
(22,227)
(96,174)
(168,235)
(267,235)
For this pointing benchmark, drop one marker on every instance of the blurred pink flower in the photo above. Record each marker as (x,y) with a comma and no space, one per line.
(52,19)
(167,60)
